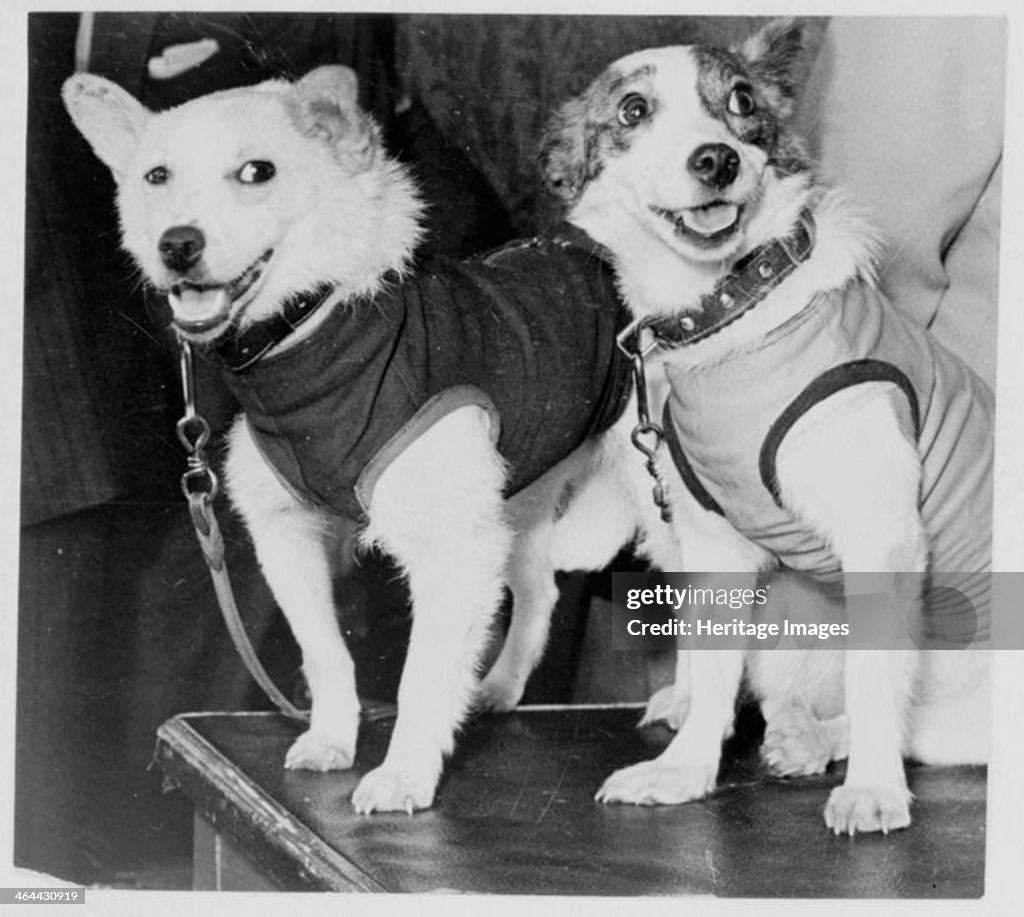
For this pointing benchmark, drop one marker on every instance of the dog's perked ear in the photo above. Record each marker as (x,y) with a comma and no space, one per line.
(563,150)
(109,117)
(328,108)
(777,55)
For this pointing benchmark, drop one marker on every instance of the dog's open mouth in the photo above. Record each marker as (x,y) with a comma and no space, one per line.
(706,225)
(201,307)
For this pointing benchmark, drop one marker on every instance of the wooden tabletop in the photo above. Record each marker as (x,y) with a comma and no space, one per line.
(515,814)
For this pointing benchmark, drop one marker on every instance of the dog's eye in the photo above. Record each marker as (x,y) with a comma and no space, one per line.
(741,101)
(633,109)
(256,172)
(158,176)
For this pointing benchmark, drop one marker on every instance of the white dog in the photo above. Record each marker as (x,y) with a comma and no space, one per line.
(281,231)
(812,426)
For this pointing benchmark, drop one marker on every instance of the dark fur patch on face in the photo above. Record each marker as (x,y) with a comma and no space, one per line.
(777,58)
(565,501)
(586,130)
(771,64)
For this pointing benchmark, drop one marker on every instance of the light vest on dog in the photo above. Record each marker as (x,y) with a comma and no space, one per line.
(725,423)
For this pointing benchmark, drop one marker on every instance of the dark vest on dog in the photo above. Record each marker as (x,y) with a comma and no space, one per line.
(527,332)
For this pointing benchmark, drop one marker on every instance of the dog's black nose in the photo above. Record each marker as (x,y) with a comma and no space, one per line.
(181,247)
(714,164)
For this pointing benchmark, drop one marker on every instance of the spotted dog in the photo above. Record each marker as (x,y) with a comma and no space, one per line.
(808,424)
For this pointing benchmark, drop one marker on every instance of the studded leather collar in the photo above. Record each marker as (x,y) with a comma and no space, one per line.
(754,276)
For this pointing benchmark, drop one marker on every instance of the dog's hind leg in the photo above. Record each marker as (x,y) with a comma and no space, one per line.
(949,720)
(578,516)
(291,540)
(797,743)
(438,508)
(800,690)
(531,580)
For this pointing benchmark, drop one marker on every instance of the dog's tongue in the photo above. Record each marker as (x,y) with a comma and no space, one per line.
(709,220)
(196,310)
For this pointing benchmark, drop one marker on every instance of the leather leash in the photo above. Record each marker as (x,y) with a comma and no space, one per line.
(199,485)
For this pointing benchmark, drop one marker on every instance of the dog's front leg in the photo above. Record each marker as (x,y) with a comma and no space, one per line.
(874,796)
(696,541)
(709,679)
(850,470)
(438,509)
(688,768)
(291,540)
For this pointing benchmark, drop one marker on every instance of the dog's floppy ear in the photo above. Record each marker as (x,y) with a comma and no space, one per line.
(778,56)
(111,119)
(328,109)
(563,150)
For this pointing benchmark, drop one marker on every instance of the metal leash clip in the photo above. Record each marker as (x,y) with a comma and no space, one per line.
(629,342)
(199,482)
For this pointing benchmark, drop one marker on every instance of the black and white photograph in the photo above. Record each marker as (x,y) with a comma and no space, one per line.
(476,452)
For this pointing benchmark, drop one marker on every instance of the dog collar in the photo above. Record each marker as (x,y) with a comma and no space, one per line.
(239,349)
(754,276)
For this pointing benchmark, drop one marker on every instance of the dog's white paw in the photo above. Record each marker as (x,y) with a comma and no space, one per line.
(853,809)
(667,705)
(499,692)
(386,789)
(314,751)
(796,744)
(655,783)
